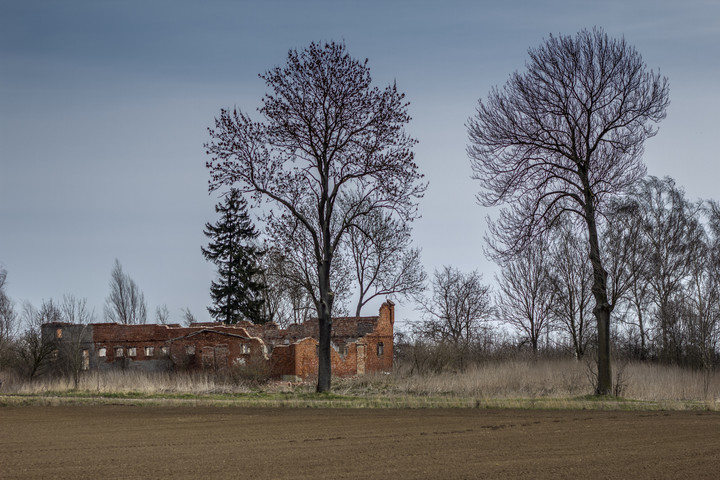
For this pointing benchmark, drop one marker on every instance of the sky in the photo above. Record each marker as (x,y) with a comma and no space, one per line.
(105,105)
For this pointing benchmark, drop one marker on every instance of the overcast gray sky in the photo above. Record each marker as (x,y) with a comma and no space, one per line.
(104,107)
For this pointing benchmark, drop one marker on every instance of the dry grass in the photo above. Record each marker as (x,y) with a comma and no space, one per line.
(509,379)
(508,384)
(544,379)
(660,383)
(130,382)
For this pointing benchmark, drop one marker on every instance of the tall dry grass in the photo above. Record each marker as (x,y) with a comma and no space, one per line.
(132,381)
(546,379)
(507,379)
(497,380)
(652,382)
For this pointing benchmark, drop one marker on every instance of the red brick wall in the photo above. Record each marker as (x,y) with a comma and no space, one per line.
(306,360)
(110,336)
(283,360)
(383,333)
(299,357)
(227,351)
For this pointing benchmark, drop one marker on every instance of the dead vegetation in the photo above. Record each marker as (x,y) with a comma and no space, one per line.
(510,383)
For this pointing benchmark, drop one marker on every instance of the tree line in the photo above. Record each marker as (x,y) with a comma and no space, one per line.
(663,256)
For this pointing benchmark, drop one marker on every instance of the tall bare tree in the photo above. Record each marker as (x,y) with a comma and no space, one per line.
(295,262)
(8,324)
(627,254)
(162,314)
(125,302)
(454,314)
(286,275)
(188,317)
(701,312)
(703,293)
(76,310)
(384,259)
(673,239)
(34,351)
(73,353)
(564,137)
(8,316)
(525,298)
(571,277)
(330,150)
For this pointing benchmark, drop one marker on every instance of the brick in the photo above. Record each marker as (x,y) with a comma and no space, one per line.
(287,353)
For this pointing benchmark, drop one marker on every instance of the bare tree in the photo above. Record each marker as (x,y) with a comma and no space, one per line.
(287,300)
(8,324)
(385,262)
(627,254)
(701,314)
(8,316)
(525,298)
(571,277)
(35,352)
(73,352)
(565,136)
(673,239)
(459,305)
(125,303)
(75,310)
(162,314)
(295,262)
(703,293)
(331,149)
(188,317)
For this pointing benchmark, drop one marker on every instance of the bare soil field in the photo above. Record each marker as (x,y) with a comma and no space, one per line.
(121,441)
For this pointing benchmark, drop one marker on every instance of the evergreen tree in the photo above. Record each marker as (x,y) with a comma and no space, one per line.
(237,292)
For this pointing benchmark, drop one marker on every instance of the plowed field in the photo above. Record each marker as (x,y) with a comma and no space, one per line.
(214,442)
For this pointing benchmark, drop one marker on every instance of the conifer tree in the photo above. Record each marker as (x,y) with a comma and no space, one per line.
(237,292)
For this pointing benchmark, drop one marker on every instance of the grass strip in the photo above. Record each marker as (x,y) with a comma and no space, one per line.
(332,400)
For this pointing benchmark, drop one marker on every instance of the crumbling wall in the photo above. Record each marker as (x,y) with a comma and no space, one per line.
(216,350)
(132,346)
(282,362)
(379,353)
(359,345)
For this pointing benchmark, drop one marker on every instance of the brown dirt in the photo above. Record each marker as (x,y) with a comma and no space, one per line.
(216,442)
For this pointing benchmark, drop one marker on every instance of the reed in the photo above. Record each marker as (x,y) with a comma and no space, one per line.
(510,384)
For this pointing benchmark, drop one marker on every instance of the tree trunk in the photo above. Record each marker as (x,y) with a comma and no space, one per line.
(602,306)
(604,384)
(324,310)
(324,365)
(576,345)
(642,332)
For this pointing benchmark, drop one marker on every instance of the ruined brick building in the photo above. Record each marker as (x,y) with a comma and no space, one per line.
(360,345)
